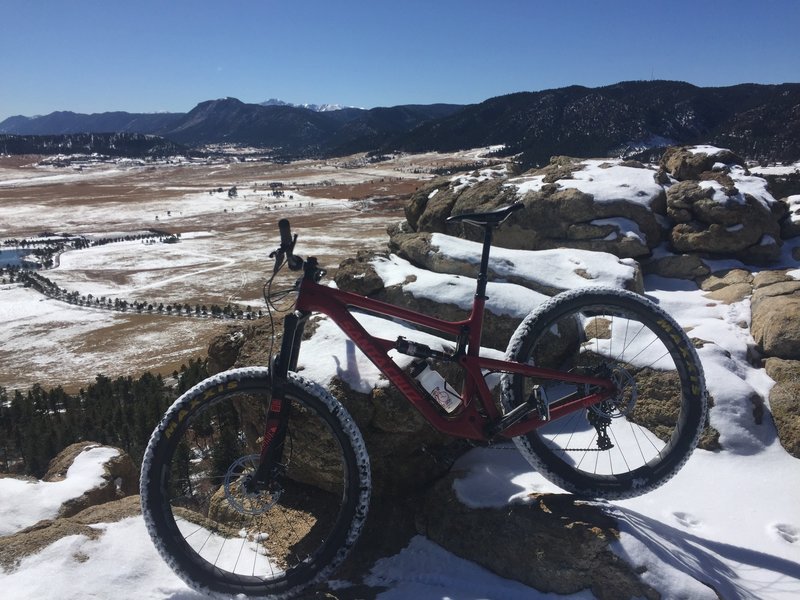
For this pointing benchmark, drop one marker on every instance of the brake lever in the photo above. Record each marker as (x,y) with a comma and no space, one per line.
(279,255)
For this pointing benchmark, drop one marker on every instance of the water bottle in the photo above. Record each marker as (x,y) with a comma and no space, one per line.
(437,387)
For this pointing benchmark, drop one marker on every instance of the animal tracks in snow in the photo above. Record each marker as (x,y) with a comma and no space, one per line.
(687,520)
(789,533)
(785,531)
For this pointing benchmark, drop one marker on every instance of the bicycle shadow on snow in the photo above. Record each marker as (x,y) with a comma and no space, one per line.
(350,374)
(723,567)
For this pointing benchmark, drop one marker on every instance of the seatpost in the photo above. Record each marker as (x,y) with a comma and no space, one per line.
(483,275)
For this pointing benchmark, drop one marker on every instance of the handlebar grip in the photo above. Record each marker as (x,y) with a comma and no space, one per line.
(286,233)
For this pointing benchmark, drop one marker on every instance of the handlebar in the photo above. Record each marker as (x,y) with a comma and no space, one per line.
(286,249)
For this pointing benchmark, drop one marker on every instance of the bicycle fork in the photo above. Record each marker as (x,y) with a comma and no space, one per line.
(273,444)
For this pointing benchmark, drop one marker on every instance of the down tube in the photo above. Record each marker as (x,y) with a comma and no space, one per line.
(469,424)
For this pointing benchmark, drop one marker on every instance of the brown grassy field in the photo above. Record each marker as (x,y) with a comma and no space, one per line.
(337,207)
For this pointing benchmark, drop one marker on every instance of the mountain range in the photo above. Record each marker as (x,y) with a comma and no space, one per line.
(760,122)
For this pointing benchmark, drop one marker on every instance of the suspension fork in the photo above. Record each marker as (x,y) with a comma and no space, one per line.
(272,446)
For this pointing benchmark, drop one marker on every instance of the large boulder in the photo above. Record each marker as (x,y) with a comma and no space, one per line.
(406,453)
(775,324)
(120,478)
(554,543)
(718,208)
(430,206)
(689,162)
(359,275)
(721,220)
(790,223)
(578,268)
(729,286)
(678,266)
(784,402)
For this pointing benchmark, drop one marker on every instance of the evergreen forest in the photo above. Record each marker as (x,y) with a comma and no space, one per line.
(37,424)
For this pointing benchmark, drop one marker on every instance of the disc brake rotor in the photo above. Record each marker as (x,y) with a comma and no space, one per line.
(237,490)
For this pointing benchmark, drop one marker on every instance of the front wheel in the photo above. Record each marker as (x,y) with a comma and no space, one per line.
(635,440)
(223,535)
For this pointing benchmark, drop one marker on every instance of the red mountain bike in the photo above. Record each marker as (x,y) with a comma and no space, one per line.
(257,481)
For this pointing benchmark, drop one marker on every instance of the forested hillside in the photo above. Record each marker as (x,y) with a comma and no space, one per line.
(635,118)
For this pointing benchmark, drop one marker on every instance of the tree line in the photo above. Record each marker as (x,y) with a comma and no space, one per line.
(108,144)
(43,285)
(37,424)
(48,245)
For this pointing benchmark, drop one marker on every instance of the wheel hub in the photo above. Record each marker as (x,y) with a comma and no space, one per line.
(621,404)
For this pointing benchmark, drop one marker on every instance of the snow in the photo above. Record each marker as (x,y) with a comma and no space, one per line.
(745,184)
(121,563)
(43,329)
(504,299)
(607,180)
(460,182)
(562,269)
(707,150)
(794,207)
(26,502)
(527,184)
(610,181)
(779,170)
(627,227)
(424,571)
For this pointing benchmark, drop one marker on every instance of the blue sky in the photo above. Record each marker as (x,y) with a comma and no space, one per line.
(148,56)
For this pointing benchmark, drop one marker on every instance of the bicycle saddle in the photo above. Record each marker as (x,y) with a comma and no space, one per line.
(492,217)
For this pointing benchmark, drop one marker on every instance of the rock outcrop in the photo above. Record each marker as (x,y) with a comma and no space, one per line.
(113,498)
(701,201)
(554,543)
(120,478)
(684,163)
(618,220)
(718,209)
(421,250)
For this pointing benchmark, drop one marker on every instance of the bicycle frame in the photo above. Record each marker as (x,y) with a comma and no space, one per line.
(480,418)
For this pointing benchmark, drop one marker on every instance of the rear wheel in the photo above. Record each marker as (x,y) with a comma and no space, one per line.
(638,438)
(218,533)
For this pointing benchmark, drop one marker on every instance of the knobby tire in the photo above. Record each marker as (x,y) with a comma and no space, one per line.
(221,537)
(651,425)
